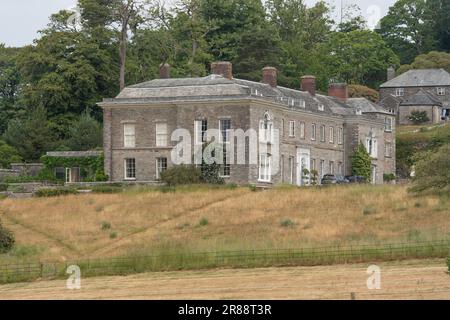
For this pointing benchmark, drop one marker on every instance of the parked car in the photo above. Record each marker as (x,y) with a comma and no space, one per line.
(333,179)
(356,179)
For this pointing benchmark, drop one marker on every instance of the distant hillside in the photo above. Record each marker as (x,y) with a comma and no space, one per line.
(414,139)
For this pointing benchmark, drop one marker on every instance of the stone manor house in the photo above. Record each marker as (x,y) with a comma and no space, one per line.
(316,132)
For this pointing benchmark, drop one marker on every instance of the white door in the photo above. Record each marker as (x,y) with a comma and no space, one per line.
(303,162)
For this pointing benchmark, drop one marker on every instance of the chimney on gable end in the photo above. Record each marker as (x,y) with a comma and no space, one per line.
(222,68)
(269,76)
(339,91)
(390,73)
(164,71)
(308,83)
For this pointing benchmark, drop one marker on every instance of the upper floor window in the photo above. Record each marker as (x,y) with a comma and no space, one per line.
(302,130)
(225,127)
(388,149)
(302,104)
(313,131)
(372,146)
(441,91)
(266,129)
(291,128)
(161,134)
(201,128)
(129,135)
(321,107)
(388,124)
(340,136)
(331,134)
(400,92)
(322,133)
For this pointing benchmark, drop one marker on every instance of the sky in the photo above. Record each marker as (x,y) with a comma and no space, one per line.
(20,20)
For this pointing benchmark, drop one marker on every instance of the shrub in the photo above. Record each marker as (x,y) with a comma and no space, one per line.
(180,175)
(113,235)
(6,240)
(388,177)
(357,91)
(418,117)
(314,177)
(3,187)
(253,188)
(45,193)
(448,264)
(203,222)
(106,225)
(361,163)
(107,189)
(369,210)
(287,223)
(432,171)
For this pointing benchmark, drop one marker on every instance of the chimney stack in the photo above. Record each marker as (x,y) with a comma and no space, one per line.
(164,71)
(222,68)
(338,90)
(390,73)
(270,76)
(308,83)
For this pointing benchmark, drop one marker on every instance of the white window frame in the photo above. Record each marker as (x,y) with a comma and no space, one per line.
(339,169)
(126,177)
(224,136)
(372,147)
(331,135)
(291,170)
(265,167)
(331,167)
(399,92)
(321,107)
(161,134)
(200,135)
(388,149)
(388,123)
(266,130)
(129,135)
(302,130)
(292,129)
(159,167)
(323,130)
(313,132)
(440,91)
(340,135)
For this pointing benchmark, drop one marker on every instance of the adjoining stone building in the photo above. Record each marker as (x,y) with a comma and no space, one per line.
(425,90)
(296,129)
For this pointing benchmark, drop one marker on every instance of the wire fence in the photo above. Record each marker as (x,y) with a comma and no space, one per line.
(20,272)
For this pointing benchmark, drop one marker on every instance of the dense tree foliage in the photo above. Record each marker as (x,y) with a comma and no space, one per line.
(432,60)
(79,60)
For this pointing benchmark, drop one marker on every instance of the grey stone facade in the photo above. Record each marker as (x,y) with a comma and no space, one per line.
(418,90)
(179,103)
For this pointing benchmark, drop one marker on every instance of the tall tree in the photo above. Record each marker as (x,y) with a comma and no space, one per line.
(408,29)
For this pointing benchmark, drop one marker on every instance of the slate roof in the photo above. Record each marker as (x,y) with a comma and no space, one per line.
(216,87)
(366,106)
(420,78)
(421,98)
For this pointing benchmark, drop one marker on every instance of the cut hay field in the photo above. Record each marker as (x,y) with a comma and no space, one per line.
(413,279)
(147,221)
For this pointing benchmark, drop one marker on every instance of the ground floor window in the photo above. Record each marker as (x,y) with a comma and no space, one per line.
(265,170)
(130,169)
(291,170)
(161,166)
(339,169)
(322,168)
(331,167)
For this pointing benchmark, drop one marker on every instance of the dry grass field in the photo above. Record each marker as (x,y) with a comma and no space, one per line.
(148,221)
(416,279)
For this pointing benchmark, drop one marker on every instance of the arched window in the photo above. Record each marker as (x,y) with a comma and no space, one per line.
(266,129)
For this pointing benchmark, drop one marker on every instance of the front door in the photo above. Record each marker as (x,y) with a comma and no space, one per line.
(303,166)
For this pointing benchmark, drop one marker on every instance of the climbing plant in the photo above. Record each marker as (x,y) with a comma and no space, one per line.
(91,168)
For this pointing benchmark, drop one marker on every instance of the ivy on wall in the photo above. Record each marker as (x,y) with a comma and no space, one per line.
(91,168)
